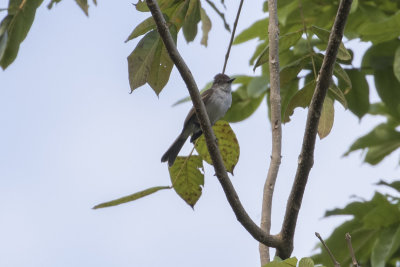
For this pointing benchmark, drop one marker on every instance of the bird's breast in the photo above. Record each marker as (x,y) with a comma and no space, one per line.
(218,105)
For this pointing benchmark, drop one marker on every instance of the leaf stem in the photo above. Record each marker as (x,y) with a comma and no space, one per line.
(232,36)
(308,38)
(222,15)
(353,257)
(335,262)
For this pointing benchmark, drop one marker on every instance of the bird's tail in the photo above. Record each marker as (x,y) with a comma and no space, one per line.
(174,149)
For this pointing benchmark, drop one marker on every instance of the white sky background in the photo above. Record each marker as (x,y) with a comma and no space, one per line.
(72,136)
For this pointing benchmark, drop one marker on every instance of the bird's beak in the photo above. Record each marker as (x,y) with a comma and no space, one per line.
(231,80)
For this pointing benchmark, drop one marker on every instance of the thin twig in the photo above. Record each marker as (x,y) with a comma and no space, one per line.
(353,256)
(222,15)
(230,192)
(232,36)
(335,262)
(276,127)
(306,157)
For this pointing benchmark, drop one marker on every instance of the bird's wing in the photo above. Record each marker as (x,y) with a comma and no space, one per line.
(192,114)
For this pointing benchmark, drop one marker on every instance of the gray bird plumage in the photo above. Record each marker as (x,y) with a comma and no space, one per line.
(217,100)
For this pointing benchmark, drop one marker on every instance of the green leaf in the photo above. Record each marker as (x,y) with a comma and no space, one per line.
(306,262)
(323,35)
(337,94)
(341,74)
(4,34)
(379,135)
(286,10)
(338,71)
(21,16)
(162,65)
(384,214)
(380,56)
(291,262)
(258,29)
(141,6)
(396,64)
(84,6)
(395,185)
(141,59)
(260,47)
(378,109)
(374,229)
(301,99)
(187,177)
(192,18)
(52,2)
(285,42)
(388,88)
(258,86)
(358,97)
(378,32)
(357,209)
(386,244)
(132,197)
(243,106)
(3,42)
(378,153)
(289,72)
(380,142)
(242,79)
(326,119)
(205,26)
(227,143)
(144,27)
(149,62)
(179,13)
(287,92)
(354,6)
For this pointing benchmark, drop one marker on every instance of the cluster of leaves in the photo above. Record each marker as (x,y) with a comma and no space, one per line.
(16,24)
(187,173)
(382,61)
(149,62)
(291,262)
(375,231)
(304,36)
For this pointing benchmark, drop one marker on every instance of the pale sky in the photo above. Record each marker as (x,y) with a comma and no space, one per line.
(72,137)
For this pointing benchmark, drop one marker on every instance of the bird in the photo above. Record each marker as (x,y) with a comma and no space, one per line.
(217,100)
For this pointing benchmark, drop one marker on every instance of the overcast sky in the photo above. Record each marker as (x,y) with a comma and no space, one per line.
(72,137)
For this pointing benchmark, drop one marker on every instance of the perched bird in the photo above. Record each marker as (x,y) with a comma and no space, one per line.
(217,100)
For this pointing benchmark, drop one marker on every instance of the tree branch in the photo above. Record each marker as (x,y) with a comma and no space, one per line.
(335,262)
(276,127)
(201,113)
(306,158)
(232,36)
(353,257)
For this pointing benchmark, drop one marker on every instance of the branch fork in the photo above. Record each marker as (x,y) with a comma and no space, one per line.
(283,242)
